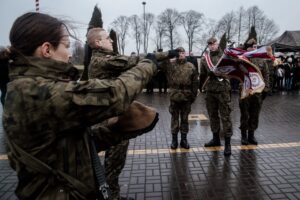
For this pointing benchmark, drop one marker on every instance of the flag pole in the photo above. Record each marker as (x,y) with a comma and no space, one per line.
(37,6)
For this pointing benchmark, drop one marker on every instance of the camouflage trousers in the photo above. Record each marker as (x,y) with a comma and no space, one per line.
(114,162)
(250,108)
(180,112)
(218,106)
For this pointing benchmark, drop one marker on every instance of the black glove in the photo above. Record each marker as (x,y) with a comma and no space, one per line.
(173,53)
(151,56)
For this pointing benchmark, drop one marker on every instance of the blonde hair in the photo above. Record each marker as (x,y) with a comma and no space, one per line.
(93,35)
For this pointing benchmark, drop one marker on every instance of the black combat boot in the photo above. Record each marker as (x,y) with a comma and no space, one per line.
(251,138)
(244,140)
(174,143)
(227,149)
(183,142)
(214,142)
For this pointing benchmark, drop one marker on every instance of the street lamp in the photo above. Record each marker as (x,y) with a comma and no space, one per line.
(144,4)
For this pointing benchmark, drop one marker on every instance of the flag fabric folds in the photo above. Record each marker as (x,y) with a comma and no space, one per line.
(235,64)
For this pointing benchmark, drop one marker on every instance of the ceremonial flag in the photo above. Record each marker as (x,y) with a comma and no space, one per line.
(235,64)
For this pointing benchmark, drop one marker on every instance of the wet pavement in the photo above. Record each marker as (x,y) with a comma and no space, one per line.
(270,170)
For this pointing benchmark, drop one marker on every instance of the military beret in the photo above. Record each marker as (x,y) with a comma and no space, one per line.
(180,49)
(212,40)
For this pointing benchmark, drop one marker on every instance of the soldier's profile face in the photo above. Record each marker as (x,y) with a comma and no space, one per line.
(253,47)
(181,55)
(62,52)
(105,41)
(213,47)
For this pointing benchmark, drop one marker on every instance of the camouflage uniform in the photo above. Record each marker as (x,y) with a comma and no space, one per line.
(271,68)
(45,118)
(250,106)
(183,83)
(105,65)
(217,98)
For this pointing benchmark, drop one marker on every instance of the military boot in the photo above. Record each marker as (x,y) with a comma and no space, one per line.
(183,142)
(214,142)
(251,138)
(227,149)
(244,140)
(174,143)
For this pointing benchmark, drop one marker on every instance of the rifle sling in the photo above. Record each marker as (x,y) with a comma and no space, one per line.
(39,166)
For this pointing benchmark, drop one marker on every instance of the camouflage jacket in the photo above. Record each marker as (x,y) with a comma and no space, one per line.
(46,116)
(213,83)
(263,66)
(183,80)
(106,64)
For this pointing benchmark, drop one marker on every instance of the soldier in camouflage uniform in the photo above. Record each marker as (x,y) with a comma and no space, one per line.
(46,113)
(183,83)
(106,64)
(217,98)
(250,106)
(271,66)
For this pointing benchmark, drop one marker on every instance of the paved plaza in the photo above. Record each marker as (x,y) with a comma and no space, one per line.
(270,170)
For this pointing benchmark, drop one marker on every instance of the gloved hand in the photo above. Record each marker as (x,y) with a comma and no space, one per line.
(173,53)
(151,56)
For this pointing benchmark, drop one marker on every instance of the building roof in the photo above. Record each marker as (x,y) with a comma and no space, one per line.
(289,41)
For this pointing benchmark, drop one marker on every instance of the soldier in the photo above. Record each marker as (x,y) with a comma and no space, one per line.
(250,106)
(217,98)
(3,77)
(271,65)
(46,114)
(106,64)
(183,83)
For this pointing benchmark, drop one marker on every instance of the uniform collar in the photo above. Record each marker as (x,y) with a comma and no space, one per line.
(47,68)
(102,52)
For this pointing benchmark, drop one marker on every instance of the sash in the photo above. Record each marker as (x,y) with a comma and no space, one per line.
(209,62)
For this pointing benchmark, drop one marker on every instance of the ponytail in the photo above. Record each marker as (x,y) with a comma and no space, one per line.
(5,54)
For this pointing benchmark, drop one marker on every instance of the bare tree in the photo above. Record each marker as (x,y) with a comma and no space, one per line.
(240,17)
(121,26)
(192,22)
(211,30)
(170,18)
(254,14)
(149,20)
(266,30)
(227,24)
(160,32)
(136,25)
(77,53)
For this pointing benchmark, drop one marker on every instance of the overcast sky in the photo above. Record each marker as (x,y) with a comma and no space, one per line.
(285,13)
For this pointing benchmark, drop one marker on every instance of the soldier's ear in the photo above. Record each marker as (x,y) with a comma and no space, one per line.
(98,43)
(44,50)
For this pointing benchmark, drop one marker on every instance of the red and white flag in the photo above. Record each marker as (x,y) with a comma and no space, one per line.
(235,64)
